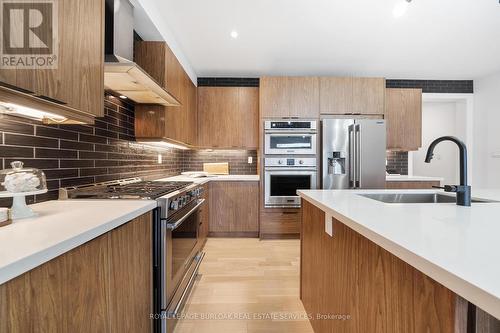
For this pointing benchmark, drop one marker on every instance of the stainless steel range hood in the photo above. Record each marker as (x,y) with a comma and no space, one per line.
(121,75)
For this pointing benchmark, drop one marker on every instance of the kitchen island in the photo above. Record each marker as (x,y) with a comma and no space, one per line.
(398,267)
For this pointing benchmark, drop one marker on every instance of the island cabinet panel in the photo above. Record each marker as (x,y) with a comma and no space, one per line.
(285,97)
(78,79)
(348,274)
(411,184)
(103,285)
(403,117)
(131,276)
(234,209)
(228,117)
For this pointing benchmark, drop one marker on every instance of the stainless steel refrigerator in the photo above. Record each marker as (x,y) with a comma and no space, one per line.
(354,152)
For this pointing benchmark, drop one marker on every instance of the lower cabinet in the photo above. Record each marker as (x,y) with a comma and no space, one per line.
(411,185)
(280,223)
(348,275)
(104,285)
(234,209)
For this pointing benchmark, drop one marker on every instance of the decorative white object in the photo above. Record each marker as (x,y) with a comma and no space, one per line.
(18,183)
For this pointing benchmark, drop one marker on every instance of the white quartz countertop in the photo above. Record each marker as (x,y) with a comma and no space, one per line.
(406,178)
(457,246)
(203,180)
(60,226)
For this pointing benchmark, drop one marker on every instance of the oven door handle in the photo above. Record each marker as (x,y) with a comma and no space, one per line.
(176,224)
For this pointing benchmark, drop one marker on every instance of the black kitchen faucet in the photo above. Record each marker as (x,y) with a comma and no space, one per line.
(463,191)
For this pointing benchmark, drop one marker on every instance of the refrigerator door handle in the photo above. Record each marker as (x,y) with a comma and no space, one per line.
(357,135)
(352,157)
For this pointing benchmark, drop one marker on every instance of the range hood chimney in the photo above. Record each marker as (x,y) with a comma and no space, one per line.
(121,74)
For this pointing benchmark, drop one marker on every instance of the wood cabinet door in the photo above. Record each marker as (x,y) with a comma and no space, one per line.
(131,275)
(67,294)
(404,119)
(368,95)
(234,208)
(174,74)
(78,80)
(151,56)
(336,95)
(246,119)
(217,116)
(283,97)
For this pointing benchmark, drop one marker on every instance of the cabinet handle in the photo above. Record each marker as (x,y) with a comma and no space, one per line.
(289,213)
(50,99)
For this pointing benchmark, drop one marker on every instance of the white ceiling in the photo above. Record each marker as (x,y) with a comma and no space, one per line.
(435,39)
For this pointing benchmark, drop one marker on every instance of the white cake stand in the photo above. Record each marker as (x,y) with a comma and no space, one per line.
(19,209)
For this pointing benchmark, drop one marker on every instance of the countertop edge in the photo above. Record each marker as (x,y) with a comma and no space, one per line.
(478,296)
(19,267)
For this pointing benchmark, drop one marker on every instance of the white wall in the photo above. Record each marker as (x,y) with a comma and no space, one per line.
(439,119)
(487,131)
(150,8)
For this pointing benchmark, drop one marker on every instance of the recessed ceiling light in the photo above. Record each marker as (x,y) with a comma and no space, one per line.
(234,34)
(123,97)
(400,8)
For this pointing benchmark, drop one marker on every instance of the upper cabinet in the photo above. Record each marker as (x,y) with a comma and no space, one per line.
(159,61)
(351,96)
(228,117)
(289,97)
(404,119)
(76,84)
(176,124)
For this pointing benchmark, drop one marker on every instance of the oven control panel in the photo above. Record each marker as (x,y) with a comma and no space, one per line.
(290,162)
(183,199)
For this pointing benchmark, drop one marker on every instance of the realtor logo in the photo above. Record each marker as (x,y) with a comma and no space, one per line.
(28,37)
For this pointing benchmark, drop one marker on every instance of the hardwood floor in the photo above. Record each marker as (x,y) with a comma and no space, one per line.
(247,286)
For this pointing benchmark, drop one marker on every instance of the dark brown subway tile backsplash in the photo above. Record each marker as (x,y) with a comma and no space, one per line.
(73,155)
(397,162)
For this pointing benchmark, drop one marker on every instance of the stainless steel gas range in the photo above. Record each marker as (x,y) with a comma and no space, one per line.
(176,249)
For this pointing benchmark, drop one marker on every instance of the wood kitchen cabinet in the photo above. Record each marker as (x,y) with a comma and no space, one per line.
(403,117)
(351,96)
(176,124)
(380,292)
(277,223)
(234,209)
(78,80)
(104,285)
(289,97)
(411,185)
(228,117)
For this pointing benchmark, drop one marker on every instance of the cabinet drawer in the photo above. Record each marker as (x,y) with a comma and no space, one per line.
(285,223)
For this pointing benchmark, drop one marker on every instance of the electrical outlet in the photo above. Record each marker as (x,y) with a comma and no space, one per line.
(160,159)
(250,159)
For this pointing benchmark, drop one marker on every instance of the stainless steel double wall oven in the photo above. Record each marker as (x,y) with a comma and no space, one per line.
(290,163)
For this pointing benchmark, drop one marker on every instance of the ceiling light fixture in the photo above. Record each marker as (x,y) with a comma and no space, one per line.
(400,8)
(234,34)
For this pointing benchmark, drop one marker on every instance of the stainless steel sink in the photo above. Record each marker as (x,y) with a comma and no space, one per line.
(416,198)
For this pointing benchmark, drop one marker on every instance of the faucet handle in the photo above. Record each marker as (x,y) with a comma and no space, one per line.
(448,188)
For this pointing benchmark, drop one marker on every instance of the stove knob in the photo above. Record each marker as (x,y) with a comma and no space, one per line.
(280,162)
(301,162)
(174,205)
